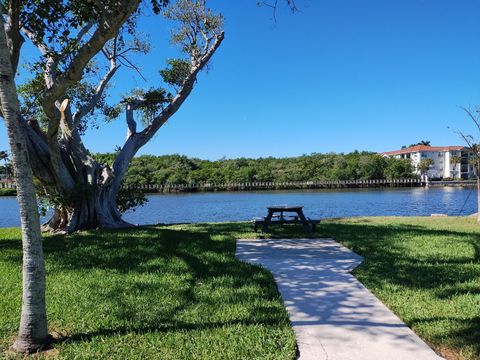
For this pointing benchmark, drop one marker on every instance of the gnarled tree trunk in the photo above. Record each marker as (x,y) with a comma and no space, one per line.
(95,208)
(85,193)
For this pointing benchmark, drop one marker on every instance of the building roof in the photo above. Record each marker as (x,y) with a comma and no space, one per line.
(417,148)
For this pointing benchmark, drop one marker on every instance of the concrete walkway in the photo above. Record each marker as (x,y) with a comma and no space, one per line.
(334,316)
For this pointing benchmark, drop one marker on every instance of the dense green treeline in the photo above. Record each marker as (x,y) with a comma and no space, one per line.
(178,169)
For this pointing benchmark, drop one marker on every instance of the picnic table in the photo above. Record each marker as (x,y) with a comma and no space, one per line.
(276,216)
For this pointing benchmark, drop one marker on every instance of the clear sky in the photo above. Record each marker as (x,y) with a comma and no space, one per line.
(336,76)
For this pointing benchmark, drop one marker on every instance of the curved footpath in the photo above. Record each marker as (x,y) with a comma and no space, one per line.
(333,315)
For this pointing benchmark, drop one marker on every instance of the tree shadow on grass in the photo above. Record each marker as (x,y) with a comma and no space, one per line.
(441,265)
(185,278)
(162,327)
(390,252)
(157,279)
(462,337)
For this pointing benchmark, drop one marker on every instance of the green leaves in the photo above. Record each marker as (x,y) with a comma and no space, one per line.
(29,95)
(425,165)
(128,199)
(176,72)
(112,112)
(157,96)
(176,169)
(398,168)
(157,5)
(149,103)
(61,29)
(197,26)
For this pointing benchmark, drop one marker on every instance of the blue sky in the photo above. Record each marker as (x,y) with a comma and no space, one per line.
(336,76)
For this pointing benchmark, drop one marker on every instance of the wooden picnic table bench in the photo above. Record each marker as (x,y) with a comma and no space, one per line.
(273,217)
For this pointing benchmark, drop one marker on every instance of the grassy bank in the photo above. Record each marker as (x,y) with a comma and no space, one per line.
(152,293)
(8,192)
(427,270)
(177,292)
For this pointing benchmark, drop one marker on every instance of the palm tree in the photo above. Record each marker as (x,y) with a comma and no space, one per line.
(425,165)
(423,142)
(4,157)
(455,160)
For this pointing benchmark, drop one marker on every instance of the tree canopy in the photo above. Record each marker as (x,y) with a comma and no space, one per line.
(178,169)
(82,45)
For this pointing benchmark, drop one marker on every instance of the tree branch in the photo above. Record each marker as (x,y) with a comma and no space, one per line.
(467,138)
(274,6)
(50,72)
(182,95)
(136,140)
(66,119)
(474,118)
(131,123)
(71,138)
(190,21)
(88,107)
(107,29)
(127,63)
(14,39)
(84,30)
(44,49)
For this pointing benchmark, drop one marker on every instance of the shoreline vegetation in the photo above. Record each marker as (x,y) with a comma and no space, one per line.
(8,192)
(177,173)
(178,291)
(182,170)
(283,186)
(298,186)
(292,186)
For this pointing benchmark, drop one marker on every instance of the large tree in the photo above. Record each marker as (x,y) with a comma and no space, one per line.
(76,39)
(33,332)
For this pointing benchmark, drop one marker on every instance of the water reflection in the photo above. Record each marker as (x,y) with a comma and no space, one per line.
(212,207)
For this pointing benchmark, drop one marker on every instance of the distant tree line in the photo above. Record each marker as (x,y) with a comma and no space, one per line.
(178,169)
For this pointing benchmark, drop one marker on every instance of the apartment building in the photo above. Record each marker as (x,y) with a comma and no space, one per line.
(448,161)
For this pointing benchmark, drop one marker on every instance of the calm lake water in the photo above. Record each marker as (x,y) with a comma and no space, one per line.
(238,206)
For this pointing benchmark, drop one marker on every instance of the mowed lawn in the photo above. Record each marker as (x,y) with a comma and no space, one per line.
(177,292)
(151,293)
(427,270)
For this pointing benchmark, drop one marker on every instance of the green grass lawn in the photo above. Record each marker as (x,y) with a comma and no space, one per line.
(427,270)
(177,292)
(151,293)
